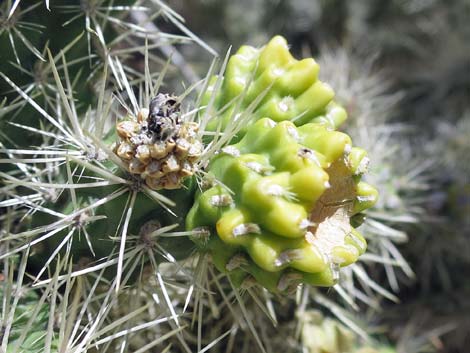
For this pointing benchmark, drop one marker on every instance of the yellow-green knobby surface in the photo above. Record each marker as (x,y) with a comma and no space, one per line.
(280,210)
(279,205)
(290,89)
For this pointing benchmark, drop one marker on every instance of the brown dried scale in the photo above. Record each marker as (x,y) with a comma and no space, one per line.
(158,145)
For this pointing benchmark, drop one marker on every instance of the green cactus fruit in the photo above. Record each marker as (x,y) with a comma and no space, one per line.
(281,205)
(290,87)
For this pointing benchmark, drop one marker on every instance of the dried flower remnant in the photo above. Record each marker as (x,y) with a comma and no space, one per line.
(159,145)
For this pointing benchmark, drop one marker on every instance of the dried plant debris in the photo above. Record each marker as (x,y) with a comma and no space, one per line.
(159,146)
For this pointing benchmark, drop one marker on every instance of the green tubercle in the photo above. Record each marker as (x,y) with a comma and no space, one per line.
(290,87)
(280,210)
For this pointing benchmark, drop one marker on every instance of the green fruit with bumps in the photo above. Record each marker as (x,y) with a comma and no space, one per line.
(279,213)
(280,210)
(289,89)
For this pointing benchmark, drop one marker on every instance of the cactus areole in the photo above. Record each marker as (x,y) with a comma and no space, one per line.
(277,210)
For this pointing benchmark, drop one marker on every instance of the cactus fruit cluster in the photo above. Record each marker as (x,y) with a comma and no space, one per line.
(277,204)
(271,83)
(279,209)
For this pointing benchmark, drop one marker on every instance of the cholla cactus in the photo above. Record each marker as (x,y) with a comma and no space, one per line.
(148,142)
(258,170)
(108,190)
(64,232)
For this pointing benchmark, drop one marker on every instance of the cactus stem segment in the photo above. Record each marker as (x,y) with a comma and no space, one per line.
(294,180)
